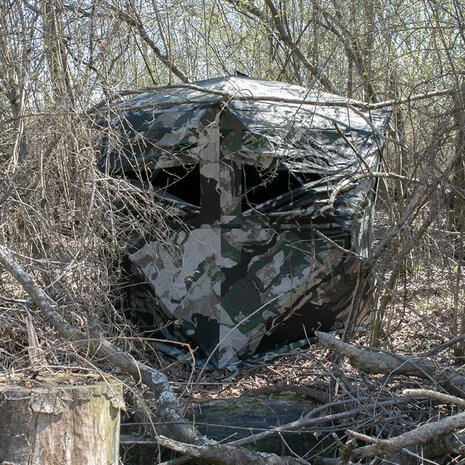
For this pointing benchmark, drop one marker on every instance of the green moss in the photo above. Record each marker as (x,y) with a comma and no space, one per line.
(232,406)
(288,395)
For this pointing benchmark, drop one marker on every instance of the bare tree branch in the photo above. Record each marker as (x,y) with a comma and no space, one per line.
(345,183)
(419,435)
(167,404)
(226,455)
(440,396)
(287,40)
(284,37)
(311,100)
(138,25)
(350,43)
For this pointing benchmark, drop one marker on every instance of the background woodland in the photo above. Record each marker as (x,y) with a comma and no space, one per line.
(61,226)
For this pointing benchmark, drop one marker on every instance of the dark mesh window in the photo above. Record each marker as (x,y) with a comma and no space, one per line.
(264,184)
(182,182)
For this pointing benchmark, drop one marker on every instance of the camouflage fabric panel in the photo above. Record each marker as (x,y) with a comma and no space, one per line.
(230,163)
(296,280)
(150,138)
(246,272)
(187,281)
(324,152)
(359,202)
(215,279)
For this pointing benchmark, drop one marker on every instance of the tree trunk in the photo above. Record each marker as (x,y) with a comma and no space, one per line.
(60,424)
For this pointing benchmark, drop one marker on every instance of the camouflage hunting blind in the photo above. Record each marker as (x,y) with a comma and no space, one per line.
(249,167)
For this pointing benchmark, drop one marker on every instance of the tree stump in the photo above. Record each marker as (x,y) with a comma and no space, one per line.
(51,423)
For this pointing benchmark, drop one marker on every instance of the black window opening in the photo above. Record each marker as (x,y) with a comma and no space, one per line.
(267,190)
(179,185)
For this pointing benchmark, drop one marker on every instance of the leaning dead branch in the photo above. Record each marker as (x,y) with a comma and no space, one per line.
(167,405)
(377,362)
(347,182)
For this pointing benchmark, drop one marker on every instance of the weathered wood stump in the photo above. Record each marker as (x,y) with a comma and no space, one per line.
(51,423)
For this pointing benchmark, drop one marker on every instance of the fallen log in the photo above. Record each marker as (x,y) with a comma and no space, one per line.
(223,453)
